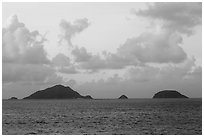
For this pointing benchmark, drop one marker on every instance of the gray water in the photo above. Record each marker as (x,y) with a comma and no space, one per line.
(132,116)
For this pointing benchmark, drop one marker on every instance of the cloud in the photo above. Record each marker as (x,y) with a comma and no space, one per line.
(119,61)
(61,60)
(69,29)
(63,64)
(166,72)
(87,60)
(13,23)
(19,45)
(24,59)
(71,82)
(145,81)
(107,61)
(179,16)
(81,54)
(35,55)
(163,47)
(68,70)
(143,73)
(29,73)
(96,62)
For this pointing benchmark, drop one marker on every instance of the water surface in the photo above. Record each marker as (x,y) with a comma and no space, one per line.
(132,116)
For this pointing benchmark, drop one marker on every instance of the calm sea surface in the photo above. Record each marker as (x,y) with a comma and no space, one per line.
(132,116)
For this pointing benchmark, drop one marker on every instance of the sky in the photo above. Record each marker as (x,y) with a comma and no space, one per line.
(102,49)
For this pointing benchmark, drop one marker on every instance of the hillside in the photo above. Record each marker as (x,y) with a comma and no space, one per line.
(57,92)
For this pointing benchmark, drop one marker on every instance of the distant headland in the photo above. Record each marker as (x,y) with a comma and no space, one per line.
(169,94)
(57,92)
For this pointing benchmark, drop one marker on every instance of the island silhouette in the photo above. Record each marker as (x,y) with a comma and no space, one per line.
(123,97)
(65,92)
(169,94)
(13,98)
(57,92)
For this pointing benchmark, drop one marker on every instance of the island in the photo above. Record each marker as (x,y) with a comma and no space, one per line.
(123,97)
(13,98)
(57,92)
(169,94)
(87,97)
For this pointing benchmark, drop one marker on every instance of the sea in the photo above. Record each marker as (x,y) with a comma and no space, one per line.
(102,117)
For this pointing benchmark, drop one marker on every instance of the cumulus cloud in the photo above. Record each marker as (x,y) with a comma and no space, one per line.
(19,45)
(63,64)
(61,60)
(107,61)
(161,48)
(181,17)
(119,61)
(149,47)
(94,64)
(81,54)
(69,29)
(164,46)
(87,60)
(24,59)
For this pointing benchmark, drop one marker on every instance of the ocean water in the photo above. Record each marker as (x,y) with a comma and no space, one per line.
(132,116)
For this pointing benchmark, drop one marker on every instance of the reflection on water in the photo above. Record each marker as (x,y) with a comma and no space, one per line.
(132,116)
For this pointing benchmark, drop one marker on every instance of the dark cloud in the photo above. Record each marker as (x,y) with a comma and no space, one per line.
(179,16)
